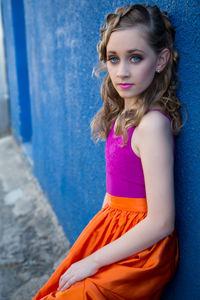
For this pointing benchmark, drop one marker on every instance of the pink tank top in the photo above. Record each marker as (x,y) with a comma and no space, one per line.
(124,173)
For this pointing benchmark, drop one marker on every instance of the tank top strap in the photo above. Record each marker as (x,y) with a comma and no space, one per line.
(156,109)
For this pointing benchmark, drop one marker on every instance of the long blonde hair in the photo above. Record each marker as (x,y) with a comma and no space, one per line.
(160,34)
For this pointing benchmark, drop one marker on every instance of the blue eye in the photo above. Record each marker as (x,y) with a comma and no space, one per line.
(113,60)
(136,59)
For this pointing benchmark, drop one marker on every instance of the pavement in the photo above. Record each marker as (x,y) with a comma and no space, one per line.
(32,243)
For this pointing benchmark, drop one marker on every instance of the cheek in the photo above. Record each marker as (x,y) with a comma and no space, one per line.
(146,73)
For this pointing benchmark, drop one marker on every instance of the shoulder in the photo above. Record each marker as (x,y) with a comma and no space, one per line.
(154,121)
(154,132)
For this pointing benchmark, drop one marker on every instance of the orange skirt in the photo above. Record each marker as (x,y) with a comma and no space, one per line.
(140,276)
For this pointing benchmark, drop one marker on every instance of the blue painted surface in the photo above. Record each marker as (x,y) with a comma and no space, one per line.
(20,106)
(11,67)
(61,50)
(21,67)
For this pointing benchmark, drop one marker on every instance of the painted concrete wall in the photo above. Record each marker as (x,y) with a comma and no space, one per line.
(4,113)
(18,79)
(60,38)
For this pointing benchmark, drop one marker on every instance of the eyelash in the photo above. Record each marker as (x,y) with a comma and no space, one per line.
(137,56)
(115,57)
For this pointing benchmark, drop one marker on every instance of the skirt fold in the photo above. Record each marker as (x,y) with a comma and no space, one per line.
(141,276)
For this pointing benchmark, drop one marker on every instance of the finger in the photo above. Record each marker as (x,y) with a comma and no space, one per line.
(64,278)
(68,284)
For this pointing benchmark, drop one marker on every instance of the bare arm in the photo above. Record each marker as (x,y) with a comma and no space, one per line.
(156,152)
(105,201)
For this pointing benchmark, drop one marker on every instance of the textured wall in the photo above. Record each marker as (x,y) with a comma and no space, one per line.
(11,67)
(61,46)
(18,80)
(4,111)
(64,98)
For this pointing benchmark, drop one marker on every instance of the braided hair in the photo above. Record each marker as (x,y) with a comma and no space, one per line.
(160,34)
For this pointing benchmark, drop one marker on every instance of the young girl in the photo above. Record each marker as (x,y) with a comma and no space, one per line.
(129,250)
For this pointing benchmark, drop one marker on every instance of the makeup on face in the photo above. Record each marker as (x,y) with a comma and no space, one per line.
(131,63)
(125,86)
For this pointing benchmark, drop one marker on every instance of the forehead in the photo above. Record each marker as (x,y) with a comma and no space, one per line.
(126,39)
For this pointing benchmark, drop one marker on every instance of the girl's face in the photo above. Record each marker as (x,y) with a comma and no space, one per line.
(131,63)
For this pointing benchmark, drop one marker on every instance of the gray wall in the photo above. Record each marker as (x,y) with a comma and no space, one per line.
(4,109)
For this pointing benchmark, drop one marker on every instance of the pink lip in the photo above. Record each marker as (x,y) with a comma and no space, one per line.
(125,85)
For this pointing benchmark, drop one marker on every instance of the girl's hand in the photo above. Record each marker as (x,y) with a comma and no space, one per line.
(78,271)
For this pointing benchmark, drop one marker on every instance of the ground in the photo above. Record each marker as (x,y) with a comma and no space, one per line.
(32,243)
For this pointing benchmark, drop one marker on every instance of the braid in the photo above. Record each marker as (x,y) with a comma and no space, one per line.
(112,24)
(160,34)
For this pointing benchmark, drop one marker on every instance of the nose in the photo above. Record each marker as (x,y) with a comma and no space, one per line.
(123,70)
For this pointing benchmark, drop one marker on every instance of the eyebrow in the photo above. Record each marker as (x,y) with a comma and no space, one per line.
(129,51)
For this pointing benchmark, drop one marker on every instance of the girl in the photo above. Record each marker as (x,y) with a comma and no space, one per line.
(129,250)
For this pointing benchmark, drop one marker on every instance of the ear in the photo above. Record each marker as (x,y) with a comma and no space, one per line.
(163,59)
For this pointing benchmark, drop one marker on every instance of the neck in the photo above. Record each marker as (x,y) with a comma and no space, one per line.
(130,104)
(133,104)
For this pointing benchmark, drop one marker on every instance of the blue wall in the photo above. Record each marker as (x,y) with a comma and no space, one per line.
(18,80)
(11,67)
(61,39)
